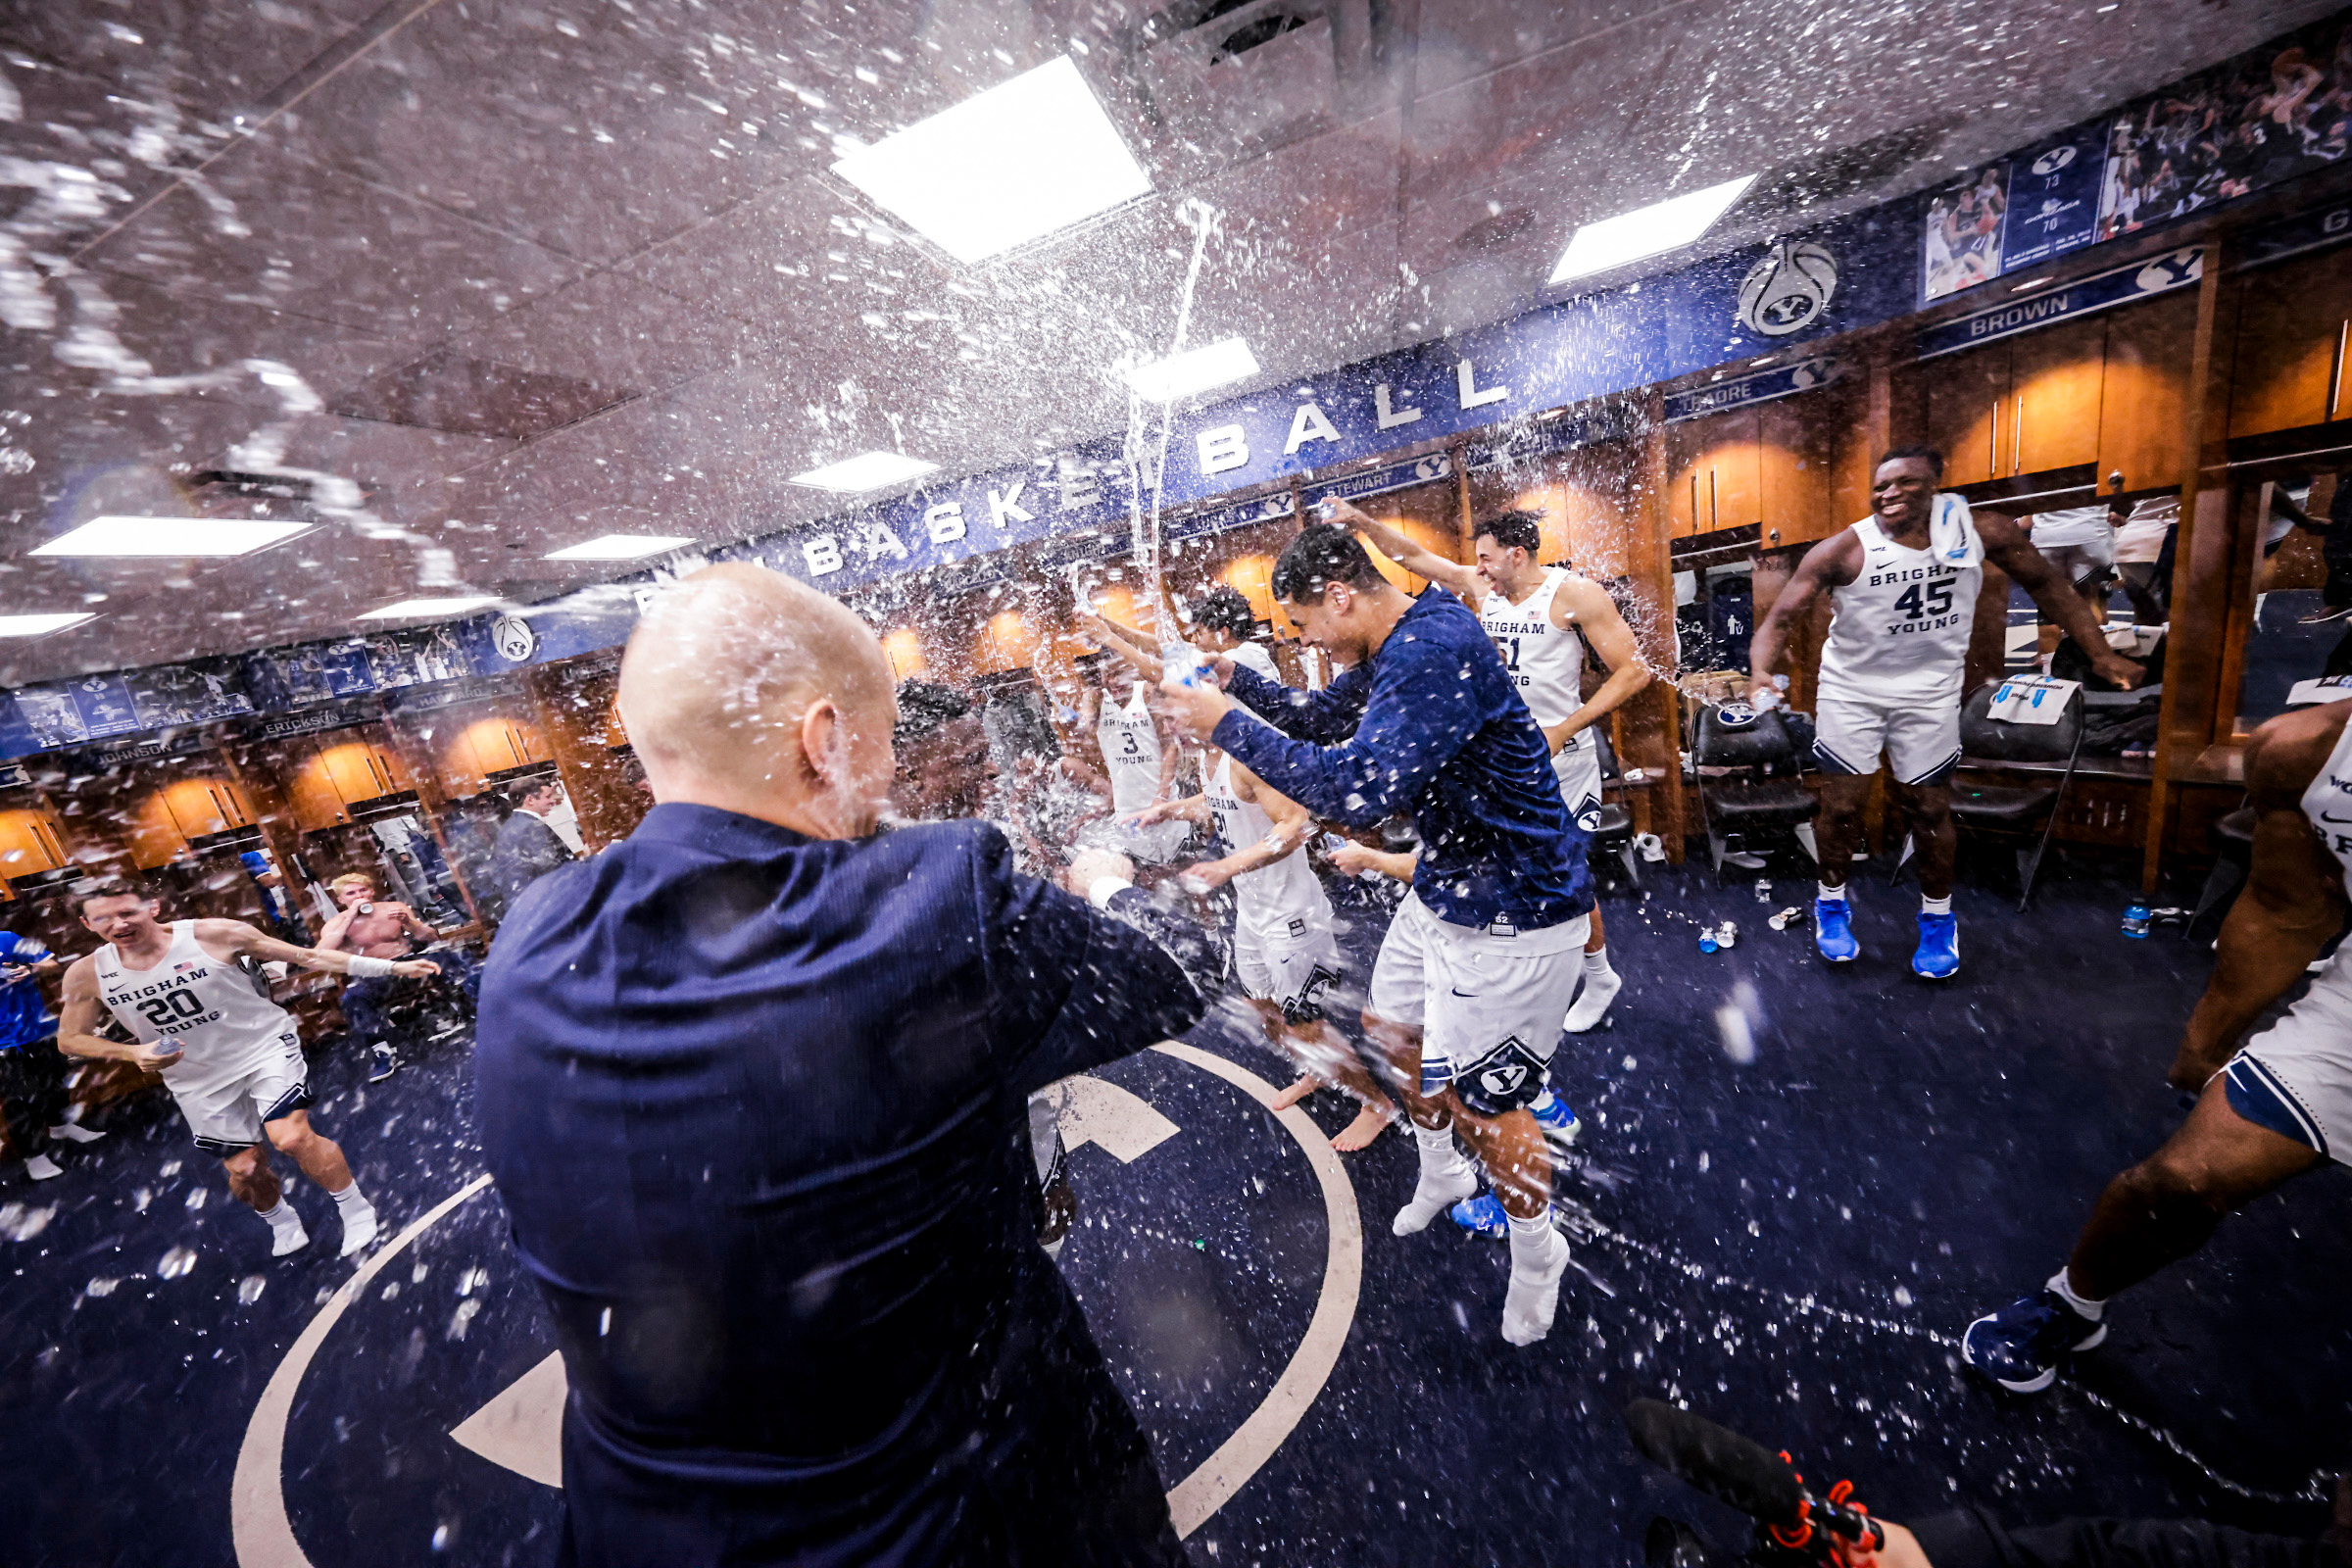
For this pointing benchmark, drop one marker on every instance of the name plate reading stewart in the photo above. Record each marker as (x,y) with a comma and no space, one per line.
(2158,275)
(1761,387)
(1378,482)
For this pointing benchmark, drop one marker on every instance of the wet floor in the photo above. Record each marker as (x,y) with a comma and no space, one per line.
(1791,1241)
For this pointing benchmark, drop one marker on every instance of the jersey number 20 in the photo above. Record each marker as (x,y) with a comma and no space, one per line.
(173,1007)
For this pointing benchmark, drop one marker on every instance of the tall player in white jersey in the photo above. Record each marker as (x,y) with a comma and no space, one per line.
(1543,620)
(2278,1107)
(230,1057)
(1904,587)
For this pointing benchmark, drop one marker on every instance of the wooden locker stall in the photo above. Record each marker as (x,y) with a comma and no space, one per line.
(1586,497)
(2106,392)
(576,700)
(1715,474)
(2294,327)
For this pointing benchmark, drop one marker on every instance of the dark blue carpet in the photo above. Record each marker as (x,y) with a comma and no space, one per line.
(1798,1184)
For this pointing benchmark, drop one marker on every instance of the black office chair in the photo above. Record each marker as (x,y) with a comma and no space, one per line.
(2233,861)
(1764,795)
(2016,812)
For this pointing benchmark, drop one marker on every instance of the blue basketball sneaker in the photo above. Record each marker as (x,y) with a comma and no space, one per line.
(1938,954)
(1834,931)
(2021,1345)
(1482,1215)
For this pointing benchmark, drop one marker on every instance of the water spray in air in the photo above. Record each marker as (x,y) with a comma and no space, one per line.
(1149,468)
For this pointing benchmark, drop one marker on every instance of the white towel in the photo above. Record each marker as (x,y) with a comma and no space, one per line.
(1949,534)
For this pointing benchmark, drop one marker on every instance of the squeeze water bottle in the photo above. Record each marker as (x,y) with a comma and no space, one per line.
(2135,920)
(1184,662)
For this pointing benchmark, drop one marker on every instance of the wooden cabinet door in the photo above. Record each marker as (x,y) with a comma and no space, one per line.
(1685,483)
(28,843)
(1794,443)
(2293,326)
(2054,415)
(2144,395)
(1734,493)
(1964,397)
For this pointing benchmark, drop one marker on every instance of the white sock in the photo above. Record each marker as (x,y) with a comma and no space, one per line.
(1834,895)
(350,1198)
(1438,1152)
(2092,1311)
(1596,962)
(282,1216)
(1530,1231)
(1942,905)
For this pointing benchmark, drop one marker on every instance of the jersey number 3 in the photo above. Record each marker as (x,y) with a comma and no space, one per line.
(1938,600)
(173,1007)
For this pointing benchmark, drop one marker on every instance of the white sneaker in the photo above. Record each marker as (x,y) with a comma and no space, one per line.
(1593,1003)
(289,1238)
(75,1133)
(358,1231)
(1533,1297)
(40,1167)
(1433,1195)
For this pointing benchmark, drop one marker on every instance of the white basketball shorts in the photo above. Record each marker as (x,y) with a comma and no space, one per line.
(1919,737)
(1577,765)
(1291,964)
(1489,1003)
(225,1112)
(2295,1077)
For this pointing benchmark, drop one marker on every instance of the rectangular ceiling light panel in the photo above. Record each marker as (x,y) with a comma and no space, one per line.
(869,471)
(1025,158)
(618,547)
(175,537)
(419,609)
(42,625)
(1194,371)
(1647,230)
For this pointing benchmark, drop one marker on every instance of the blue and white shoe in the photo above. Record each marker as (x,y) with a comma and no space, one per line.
(2021,1345)
(1938,954)
(1482,1215)
(1559,1120)
(1834,930)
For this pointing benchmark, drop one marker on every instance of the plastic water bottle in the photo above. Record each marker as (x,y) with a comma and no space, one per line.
(2135,920)
(1184,662)
(1706,939)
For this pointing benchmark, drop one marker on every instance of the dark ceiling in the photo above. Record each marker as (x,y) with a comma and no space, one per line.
(553,270)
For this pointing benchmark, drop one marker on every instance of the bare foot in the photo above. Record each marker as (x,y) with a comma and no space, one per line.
(1359,1132)
(1295,1093)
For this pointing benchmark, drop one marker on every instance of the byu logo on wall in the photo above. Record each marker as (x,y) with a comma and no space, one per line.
(1788,289)
(2054,160)
(513,638)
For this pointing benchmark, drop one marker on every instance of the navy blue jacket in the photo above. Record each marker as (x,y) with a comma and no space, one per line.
(1431,723)
(755,1105)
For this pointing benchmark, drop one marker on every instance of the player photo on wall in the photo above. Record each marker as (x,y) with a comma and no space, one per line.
(1962,231)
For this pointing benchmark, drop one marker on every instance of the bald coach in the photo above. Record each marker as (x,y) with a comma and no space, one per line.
(753,1086)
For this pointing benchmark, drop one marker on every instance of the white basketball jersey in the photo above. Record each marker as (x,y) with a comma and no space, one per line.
(1546,662)
(204,1008)
(1130,740)
(1282,900)
(1253,657)
(1900,628)
(2328,802)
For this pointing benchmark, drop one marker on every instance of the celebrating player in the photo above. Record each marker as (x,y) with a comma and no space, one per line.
(1904,585)
(2274,1109)
(1483,952)
(230,1057)
(1543,620)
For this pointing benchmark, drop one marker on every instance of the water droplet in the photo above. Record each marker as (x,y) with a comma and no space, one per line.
(176,1264)
(250,1287)
(102,1285)
(196,1197)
